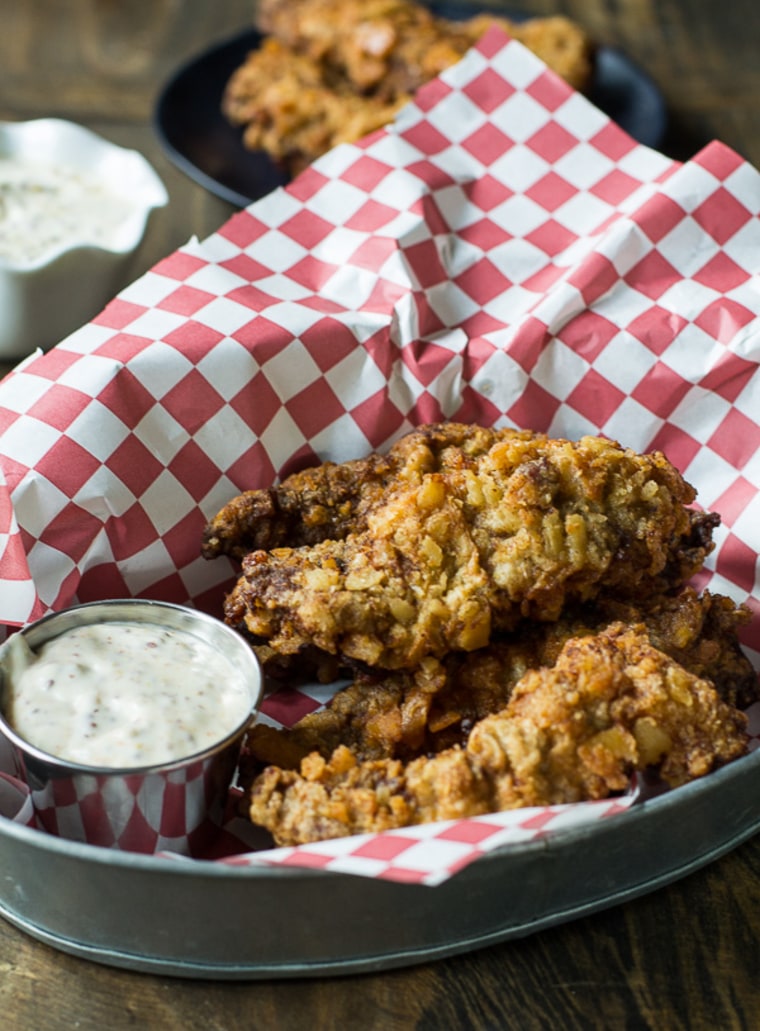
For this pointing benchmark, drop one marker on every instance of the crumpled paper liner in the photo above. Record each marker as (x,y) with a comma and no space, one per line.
(503,253)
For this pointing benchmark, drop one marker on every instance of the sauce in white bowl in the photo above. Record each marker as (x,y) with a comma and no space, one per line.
(46,208)
(64,256)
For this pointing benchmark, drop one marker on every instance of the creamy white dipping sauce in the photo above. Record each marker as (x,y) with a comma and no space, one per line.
(46,208)
(123,694)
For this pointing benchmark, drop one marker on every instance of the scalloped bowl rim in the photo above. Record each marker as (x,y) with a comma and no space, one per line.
(124,171)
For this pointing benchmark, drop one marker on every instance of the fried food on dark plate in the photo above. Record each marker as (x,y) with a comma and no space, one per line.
(287,108)
(610,705)
(446,558)
(403,714)
(332,71)
(392,47)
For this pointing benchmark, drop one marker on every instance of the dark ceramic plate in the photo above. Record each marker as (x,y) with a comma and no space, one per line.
(199,140)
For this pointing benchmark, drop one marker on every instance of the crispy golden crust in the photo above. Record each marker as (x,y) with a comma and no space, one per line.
(395,46)
(471,540)
(701,633)
(287,109)
(331,71)
(331,500)
(400,715)
(516,608)
(611,704)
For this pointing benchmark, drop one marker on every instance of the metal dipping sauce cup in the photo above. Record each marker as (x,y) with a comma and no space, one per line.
(174,806)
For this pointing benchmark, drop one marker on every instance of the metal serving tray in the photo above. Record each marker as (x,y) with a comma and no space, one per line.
(211,920)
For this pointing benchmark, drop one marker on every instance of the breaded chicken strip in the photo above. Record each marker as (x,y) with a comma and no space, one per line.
(404,714)
(447,558)
(610,705)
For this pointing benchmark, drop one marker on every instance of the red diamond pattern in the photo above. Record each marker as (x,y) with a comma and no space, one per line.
(68,465)
(653,276)
(589,334)
(59,406)
(729,376)
(426,138)
(719,160)
(190,401)
(535,409)
(118,314)
(487,91)
(72,530)
(724,318)
(737,562)
(680,447)
(615,187)
(193,340)
(311,409)
(551,142)
(130,533)
(721,215)
(483,281)
(721,273)
(732,502)
(487,145)
(548,90)
(134,464)
(595,398)
(736,439)
(551,238)
(179,266)
(657,328)
(661,390)
(550,192)
(306,228)
(658,216)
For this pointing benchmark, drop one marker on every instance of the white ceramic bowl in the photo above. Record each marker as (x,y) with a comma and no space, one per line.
(46,296)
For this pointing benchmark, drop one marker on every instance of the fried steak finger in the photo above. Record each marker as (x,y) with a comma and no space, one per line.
(445,558)
(288,107)
(610,705)
(331,500)
(411,585)
(307,507)
(423,711)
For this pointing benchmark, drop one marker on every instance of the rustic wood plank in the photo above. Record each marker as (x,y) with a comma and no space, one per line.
(682,958)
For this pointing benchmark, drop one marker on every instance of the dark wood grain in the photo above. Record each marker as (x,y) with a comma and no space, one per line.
(684,958)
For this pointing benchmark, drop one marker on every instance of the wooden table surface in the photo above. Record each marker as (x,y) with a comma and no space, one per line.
(685,957)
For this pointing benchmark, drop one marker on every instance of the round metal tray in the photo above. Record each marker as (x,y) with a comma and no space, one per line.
(214,920)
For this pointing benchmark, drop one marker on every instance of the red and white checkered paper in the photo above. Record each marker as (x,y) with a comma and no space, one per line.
(503,253)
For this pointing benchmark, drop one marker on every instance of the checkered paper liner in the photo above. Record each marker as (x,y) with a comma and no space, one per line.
(162,812)
(503,253)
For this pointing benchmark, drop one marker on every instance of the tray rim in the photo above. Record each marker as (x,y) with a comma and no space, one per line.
(404,958)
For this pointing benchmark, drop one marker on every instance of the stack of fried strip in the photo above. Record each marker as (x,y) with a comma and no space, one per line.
(331,71)
(514,611)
